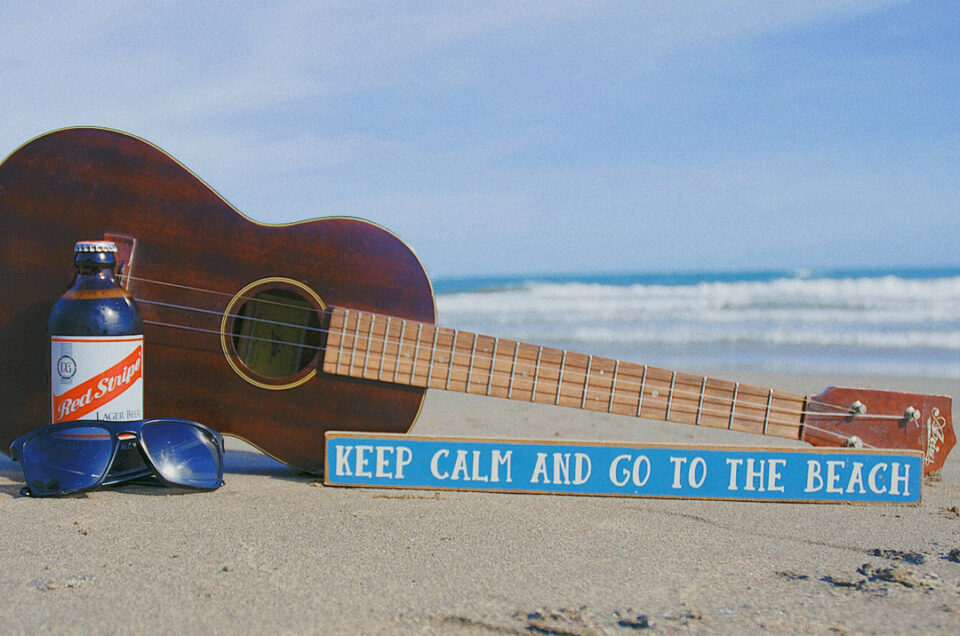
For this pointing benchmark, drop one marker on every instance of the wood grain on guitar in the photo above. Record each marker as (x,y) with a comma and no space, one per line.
(278,333)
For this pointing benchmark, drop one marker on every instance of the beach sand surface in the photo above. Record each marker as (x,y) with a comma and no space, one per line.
(275,551)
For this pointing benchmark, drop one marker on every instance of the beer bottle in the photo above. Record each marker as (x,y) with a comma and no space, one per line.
(96,343)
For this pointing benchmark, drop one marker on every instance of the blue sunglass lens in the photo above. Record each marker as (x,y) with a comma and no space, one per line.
(66,459)
(182,453)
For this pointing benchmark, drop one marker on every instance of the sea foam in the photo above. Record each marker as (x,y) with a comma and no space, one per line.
(854,323)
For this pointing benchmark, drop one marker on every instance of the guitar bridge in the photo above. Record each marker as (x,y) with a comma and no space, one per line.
(126,247)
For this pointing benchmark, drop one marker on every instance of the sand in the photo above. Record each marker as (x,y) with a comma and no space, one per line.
(274,551)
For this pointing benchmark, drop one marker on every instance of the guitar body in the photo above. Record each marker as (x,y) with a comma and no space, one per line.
(193,262)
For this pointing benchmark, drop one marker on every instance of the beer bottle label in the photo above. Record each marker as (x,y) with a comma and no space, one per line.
(97,378)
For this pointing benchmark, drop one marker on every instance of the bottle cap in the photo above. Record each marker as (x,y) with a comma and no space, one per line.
(94,246)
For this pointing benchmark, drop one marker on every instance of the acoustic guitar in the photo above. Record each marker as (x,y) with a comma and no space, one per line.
(278,333)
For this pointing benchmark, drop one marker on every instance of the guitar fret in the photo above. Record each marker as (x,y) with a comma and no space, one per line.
(673,380)
(613,385)
(473,352)
(433,355)
(343,335)
(493,362)
(703,387)
(643,381)
(396,369)
(536,375)
(733,404)
(383,350)
(563,358)
(513,369)
(366,355)
(353,350)
(416,353)
(766,415)
(453,352)
(586,383)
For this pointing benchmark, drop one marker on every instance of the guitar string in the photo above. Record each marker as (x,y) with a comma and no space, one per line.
(679,408)
(214,312)
(810,399)
(203,290)
(625,384)
(278,303)
(839,409)
(704,411)
(386,340)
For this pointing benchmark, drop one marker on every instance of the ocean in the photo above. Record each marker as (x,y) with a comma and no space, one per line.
(883,322)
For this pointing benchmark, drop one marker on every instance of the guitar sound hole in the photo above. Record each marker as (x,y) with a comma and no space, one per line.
(276,333)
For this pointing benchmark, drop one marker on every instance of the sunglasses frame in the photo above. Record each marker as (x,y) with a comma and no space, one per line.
(116,430)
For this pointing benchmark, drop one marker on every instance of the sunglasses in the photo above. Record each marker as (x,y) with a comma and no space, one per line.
(71,457)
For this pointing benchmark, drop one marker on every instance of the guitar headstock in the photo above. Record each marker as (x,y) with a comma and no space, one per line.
(881,419)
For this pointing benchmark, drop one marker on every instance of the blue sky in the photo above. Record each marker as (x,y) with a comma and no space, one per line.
(514,137)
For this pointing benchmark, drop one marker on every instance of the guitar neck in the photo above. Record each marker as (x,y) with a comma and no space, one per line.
(389,349)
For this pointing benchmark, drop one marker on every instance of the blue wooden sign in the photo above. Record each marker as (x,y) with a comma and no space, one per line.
(623,470)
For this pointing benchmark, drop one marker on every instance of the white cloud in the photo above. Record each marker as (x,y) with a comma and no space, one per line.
(177,62)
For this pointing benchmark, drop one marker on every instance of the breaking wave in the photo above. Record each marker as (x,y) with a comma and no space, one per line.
(855,323)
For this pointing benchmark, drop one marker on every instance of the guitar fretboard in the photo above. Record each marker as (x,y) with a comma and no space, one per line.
(389,349)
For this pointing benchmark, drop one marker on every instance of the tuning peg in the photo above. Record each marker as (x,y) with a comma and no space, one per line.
(858,408)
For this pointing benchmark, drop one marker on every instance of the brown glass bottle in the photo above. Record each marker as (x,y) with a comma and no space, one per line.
(96,343)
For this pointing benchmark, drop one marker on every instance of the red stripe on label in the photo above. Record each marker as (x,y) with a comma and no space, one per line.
(99,390)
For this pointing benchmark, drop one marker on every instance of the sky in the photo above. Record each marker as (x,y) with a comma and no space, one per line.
(509,137)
